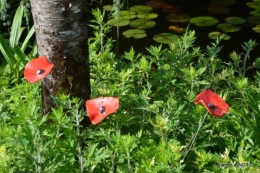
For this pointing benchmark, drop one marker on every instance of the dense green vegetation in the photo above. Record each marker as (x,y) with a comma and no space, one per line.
(157,119)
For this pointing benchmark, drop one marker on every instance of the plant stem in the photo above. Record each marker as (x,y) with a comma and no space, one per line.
(38,160)
(195,136)
(244,64)
(80,157)
(128,160)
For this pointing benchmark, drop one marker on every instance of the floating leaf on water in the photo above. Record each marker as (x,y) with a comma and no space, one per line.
(166,38)
(147,15)
(125,15)
(135,33)
(108,7)
(255,13)
(218,9)
(171,9)
(235,20)
(141,8)
(253,4)
(223,2)
(119,22)
(178,17)
(204,21)
(216,34)
(142,24)
(227,27)
(176,29)
(253,20)
(156,4)
(256,28)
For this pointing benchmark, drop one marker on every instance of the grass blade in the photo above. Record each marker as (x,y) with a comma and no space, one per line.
(29,35)
(16,30)
(7,52)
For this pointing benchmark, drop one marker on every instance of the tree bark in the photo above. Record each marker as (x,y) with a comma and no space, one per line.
(61,35)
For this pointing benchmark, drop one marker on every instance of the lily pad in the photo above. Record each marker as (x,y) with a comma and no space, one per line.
(253,4)
(142,24)
(108,7)
(135,33)
(171,9)
(178,17)
(204,21)
(218,9)
(256,28)
(125,15)
(176,29)
(223,2)
(227,27)
(119,22)
(165,38)
(235,20)
(141,9)
(147,15)
(255,13)
(253,20)
(216,34)
(156,4)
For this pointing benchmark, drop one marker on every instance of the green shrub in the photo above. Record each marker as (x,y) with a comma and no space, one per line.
(156,121)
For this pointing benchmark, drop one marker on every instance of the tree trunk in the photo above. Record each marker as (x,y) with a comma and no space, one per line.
(61,35)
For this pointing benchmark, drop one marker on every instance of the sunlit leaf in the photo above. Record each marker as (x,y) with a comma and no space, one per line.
(256,28)
(165,38)
(141,9)
(125,15)
(135,33)
(216,34)
(176,29)
(142,24)
(108,7)
(147,15)
(204,21)
(119,22)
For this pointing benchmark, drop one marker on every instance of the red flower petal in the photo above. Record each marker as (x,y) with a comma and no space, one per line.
(100,108)
(37,69)
(212,102)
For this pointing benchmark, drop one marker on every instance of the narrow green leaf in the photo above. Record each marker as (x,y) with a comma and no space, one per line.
(20,55)
(7,52)
(29,35)
(16,29)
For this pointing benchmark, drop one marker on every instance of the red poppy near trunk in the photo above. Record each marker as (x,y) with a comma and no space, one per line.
(100,108)
(212,102)
(37,69)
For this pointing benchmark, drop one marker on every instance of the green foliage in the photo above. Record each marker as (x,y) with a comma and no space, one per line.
(14,51)
(156,121)
(6,13)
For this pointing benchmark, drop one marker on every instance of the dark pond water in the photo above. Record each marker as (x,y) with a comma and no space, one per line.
(193,8)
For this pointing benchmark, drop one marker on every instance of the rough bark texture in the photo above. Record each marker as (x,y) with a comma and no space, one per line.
(61,35)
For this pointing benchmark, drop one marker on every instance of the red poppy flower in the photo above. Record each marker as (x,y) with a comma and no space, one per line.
(100,108)
(212,102)
(37,69)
